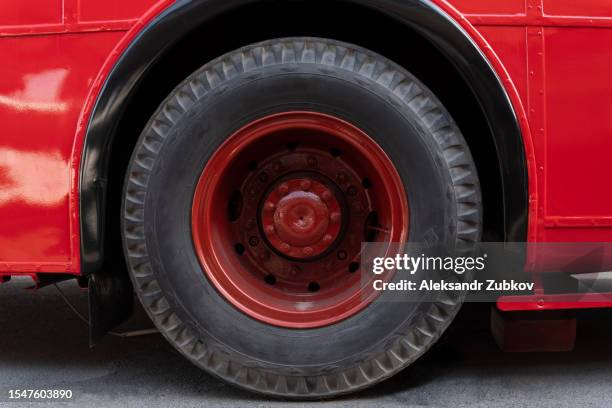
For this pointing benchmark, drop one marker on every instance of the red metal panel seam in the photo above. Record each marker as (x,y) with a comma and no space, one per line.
(73,9)
(536,96)
(57,29)
(539,21)
(534,112)
(70,13)
(553,221)
(70,23)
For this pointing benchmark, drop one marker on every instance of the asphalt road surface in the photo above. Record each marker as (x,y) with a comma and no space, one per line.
(44,346)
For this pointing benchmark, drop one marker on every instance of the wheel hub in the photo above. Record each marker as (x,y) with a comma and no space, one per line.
(280,213)
(301,218)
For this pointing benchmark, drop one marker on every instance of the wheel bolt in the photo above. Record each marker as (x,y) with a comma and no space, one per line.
(327,239)
(307,251)
(285,247)
(326,195)
(335,217)
(342,255)
(283,189)
(269,206)
(253,241)
(270,230)
(305,185)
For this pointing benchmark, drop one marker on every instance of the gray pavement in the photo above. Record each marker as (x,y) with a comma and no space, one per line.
(44,345)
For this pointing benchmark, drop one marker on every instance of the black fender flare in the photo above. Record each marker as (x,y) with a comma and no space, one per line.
(185,15)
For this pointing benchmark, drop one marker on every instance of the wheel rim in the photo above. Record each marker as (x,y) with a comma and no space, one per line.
(280,212)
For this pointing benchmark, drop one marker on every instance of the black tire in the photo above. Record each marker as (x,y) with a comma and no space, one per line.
(364,88)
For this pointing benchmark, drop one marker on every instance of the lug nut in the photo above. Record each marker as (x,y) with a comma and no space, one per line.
(285,247)
(335,217)
(327,239)
(342,255)
(269,206)
(326,195)
(305,185)
(307,251)
(283,189)
(270,230)
(253,241)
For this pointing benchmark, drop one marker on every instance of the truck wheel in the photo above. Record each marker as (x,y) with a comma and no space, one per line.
(248,196)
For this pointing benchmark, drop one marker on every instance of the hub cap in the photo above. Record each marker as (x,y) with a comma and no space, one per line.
(301,218)
(281,210)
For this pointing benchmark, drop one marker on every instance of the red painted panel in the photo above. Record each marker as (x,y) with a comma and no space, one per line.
(593,8)
(579,122)
(584,234)
(555,302)
(20,12)
(96,10)
(42,91)
(510,45)
(490,7)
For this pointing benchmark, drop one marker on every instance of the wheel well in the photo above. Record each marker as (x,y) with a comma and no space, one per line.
(334,19)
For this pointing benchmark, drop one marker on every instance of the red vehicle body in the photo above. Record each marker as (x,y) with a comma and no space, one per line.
(552,59)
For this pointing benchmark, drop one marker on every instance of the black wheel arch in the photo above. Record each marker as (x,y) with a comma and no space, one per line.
(157,39)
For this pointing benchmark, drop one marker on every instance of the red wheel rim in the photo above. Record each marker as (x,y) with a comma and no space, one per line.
(280,212)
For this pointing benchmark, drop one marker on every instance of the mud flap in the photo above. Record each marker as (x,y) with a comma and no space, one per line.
(111,302)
